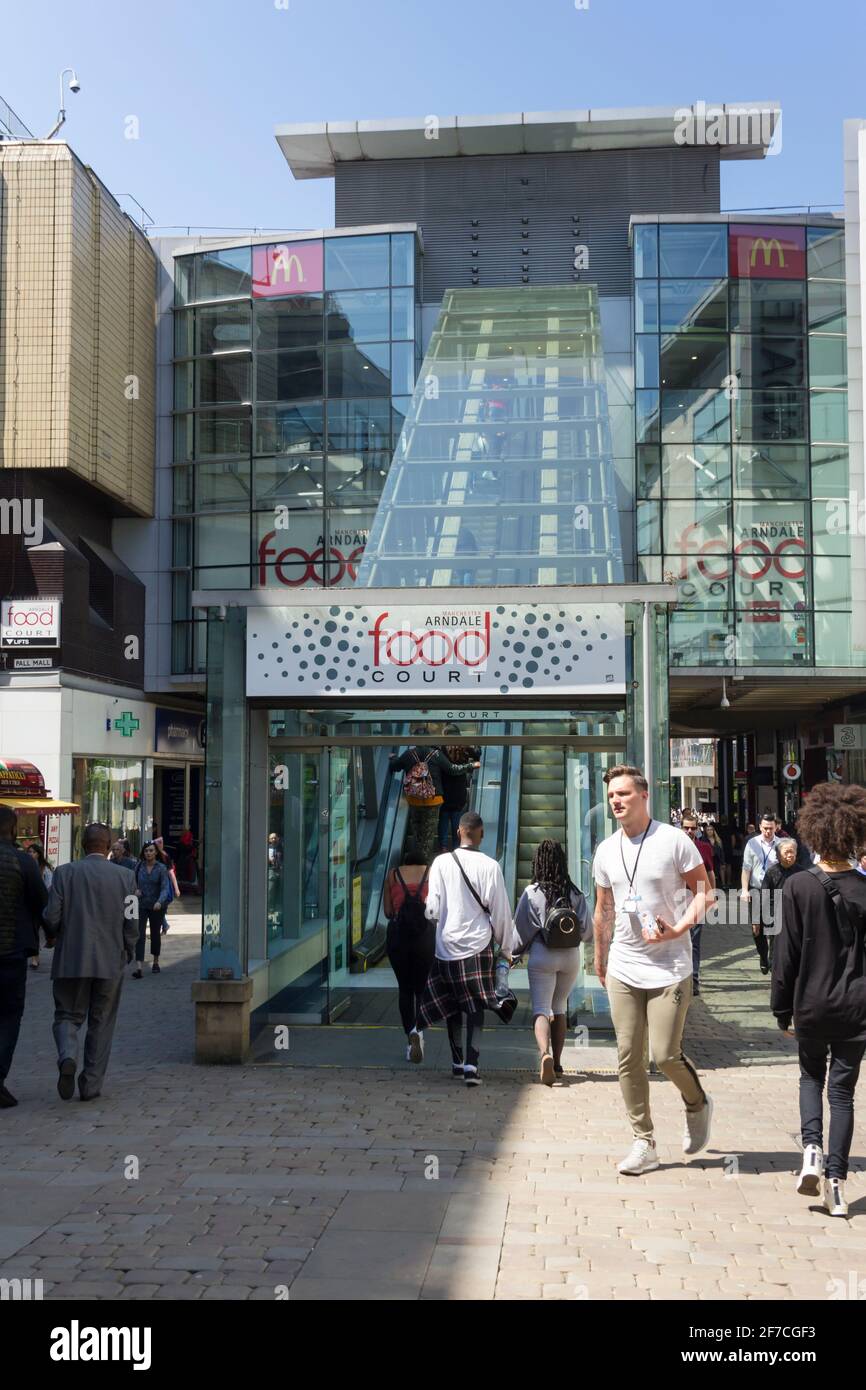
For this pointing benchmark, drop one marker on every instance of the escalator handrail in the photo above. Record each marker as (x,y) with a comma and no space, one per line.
(384,806)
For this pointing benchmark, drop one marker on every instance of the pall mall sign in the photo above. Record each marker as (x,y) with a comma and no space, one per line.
(29,623)
(538,648)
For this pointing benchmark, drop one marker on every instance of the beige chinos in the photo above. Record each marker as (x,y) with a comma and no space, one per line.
(662,1014)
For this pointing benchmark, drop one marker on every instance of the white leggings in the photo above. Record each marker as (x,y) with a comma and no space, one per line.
(551,977)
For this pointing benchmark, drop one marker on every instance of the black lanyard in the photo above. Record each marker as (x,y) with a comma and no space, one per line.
(631,878)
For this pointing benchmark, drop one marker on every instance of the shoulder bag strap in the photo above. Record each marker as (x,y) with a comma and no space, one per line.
(482,905)
(832,889)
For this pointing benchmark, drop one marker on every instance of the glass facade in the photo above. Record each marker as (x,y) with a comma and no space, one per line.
(741,439)
(294,364)
(504,470)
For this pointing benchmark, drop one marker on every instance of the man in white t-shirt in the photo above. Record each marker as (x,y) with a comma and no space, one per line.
(759,856)
(651,888)
(468,901)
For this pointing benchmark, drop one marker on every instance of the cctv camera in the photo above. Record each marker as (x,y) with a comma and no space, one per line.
(724,703)
(75,85)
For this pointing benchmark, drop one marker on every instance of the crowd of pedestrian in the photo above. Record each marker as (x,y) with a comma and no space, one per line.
(453,939)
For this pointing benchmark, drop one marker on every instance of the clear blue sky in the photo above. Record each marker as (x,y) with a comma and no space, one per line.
(209,79)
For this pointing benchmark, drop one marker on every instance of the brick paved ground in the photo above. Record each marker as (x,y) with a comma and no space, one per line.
(185,1182)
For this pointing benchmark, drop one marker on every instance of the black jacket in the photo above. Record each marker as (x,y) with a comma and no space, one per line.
(818,979)
(437,763)
(774,881)
(23,895)
(455,785)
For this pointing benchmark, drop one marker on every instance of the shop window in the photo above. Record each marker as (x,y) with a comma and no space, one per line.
(767,362)
(361,316)
(297,481)
(223,380)
(770,416)
(295,322)
(695,417)
(768,306)
(829,470)
(828,361)
(771,471)
(692,250)
(646,306)
(288,376)
(222,328)
(826,252)
(359,369)
(696,470)
(402,258)
(646,249)
(686,305)
(223,274)
(360,262)
(827,312)
(829,413)
(222,433)
(108,790)
(291,428)
(223,486)
(692,361)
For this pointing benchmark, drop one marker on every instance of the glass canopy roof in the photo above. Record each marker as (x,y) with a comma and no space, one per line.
(503,473)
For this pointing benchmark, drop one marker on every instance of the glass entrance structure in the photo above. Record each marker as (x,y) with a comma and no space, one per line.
(489,614)
(503,473)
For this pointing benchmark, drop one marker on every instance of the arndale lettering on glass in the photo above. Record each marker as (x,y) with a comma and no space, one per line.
(459,641)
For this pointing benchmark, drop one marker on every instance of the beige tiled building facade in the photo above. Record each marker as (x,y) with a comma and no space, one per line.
(77,294)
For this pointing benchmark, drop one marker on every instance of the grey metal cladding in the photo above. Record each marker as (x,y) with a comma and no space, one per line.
(525,207)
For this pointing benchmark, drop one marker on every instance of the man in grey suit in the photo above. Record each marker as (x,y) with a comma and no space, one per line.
(92,922)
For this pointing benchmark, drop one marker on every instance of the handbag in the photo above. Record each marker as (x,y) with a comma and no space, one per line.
(506,1006)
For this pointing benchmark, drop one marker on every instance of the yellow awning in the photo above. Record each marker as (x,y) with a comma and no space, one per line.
(40,803)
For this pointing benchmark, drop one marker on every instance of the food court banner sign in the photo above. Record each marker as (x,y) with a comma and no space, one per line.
(416,648)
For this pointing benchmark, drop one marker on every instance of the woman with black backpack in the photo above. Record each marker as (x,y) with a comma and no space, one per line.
(411,937)
(819,982)
(552,919)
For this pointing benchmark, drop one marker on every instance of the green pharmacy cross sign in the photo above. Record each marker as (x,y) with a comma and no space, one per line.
(127,723)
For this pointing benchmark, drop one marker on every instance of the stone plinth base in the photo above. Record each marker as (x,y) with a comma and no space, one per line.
(222,1020)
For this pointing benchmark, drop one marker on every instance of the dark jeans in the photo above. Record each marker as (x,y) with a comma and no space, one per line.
(474,1023)
(155,916)
(845,1059)
(411,956)
(13,983)
(448,823)
(695,933)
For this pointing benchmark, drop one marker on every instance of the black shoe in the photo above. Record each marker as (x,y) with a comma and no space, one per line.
(470,1076)
(457,1071)
(66,1080)
(765,969)
(136,974)
(559,1072)
(696,989)
(155,968)
(7,1100)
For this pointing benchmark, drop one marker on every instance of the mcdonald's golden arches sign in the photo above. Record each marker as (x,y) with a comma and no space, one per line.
(771,252)
(288,267)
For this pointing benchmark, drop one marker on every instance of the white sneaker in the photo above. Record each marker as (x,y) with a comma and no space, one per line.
(834,1196)
(415,1050)
(641,1158)
(809,1181)
(696,1134)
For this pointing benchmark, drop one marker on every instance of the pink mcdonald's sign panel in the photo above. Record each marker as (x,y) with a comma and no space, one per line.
(289,267)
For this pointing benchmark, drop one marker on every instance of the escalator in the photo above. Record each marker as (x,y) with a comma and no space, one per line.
(543,811)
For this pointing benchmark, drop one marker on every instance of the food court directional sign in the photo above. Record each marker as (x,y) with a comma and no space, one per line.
(351,649)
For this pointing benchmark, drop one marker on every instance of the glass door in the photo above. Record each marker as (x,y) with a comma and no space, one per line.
(340,887)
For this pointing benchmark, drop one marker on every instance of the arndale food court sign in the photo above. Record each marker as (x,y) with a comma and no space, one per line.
(506,649)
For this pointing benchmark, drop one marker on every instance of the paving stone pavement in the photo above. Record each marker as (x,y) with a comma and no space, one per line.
(356,1182)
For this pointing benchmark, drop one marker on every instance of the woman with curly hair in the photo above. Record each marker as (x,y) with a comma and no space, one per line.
(819,981)
(552,970)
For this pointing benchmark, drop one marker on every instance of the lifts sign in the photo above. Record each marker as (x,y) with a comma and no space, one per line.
(505,649)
